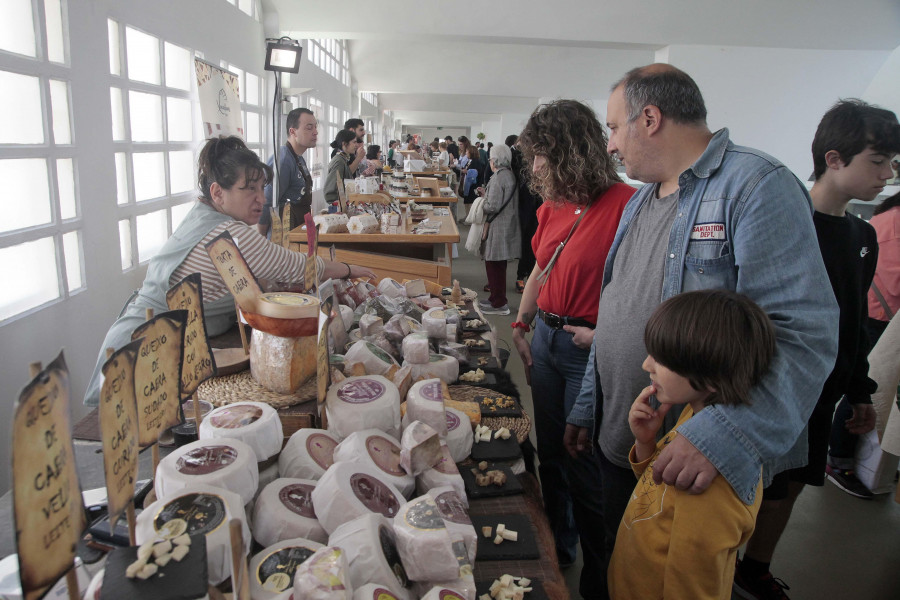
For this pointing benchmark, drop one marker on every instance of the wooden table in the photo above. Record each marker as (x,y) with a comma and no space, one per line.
(405,255)
(403,198)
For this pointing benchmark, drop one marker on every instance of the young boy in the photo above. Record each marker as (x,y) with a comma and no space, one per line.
(852,151)
(705,347)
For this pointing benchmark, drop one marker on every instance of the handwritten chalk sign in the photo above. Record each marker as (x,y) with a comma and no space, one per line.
(157,374)
(119,428)
(277,227)
(47,504)
(199,363)
(310,276)
(235,271)
(286,226)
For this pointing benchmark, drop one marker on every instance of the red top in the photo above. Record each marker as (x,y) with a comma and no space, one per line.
(573,289)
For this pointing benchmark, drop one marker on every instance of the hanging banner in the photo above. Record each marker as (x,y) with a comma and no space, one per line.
(220,105)
(199,363)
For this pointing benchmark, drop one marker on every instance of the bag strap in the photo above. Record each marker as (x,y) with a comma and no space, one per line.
(882,301)
(545,274)
(491,218)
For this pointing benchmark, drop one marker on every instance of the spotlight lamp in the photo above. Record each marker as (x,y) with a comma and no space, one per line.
(283,55)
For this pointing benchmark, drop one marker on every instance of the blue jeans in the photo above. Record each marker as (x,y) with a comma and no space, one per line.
(571,488)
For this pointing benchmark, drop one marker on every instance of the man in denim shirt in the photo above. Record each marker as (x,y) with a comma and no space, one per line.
(712,215)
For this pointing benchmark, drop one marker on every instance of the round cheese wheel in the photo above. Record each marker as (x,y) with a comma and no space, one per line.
(197,509)
(284,510)
(376,360)
(459,434)
(438,365)
(348,490)
(287,305)
(424,543)
(307,454)
(462,588)
(373,591)
(222,462)
(254,423)
(272,570)
(453,509)
(371,551)
(425,402)
(416,349)
(324,576)
(435,322)
(367,402)
(442,474)
(380,451)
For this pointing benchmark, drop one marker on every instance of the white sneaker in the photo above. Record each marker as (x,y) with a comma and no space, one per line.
(500,310)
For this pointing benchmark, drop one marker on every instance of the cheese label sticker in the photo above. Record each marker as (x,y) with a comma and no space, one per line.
(321,449)
(446,464)
(452,421)
(206,460)
(392,556)
(424,515)
(708,231)
(297,498)
(194,513)
(449,595)
(452,508)
(361,391)
(374,495)
(276,571)
(382,594)
(235,417)
(379,353)
(432,391)
(385,454)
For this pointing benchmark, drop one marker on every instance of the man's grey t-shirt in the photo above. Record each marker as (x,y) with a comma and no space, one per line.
(633,293)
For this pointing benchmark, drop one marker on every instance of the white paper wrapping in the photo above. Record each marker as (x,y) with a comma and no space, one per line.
(358,403)
(438,365)
(347,491)
(425,545)
(222,462)
(272,570)
(391,288)
(459,434)
(373,591)
(453,508)
(415,349)
(96,584)
(376,360)
(435,322)
(324,576)
(443,474)
(346,316)
(254,423)
(284,510)
(425,403)
(308,453)
(420,448)
(362,224)
(370,325)
(380,451)
(459,589)
(371,550)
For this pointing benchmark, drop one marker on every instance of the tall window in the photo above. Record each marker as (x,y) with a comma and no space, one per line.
(40,234)
(252,95)
(316,157)
(331,56)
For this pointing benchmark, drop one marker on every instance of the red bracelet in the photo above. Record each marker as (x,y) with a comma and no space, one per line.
(521,325)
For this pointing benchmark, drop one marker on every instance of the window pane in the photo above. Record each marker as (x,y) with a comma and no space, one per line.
(20,109)
(55,42)
(59,101)
(17,28)
(151,234)
(142,53)
(28,272)
(252,89)
(65,180)
(145,111)
(121,179)
(181,171)
(118,114)
(179,212)
(178,117)
(149,176)
(125,243)
(72,252)
(240,78)
(178,67)
(253,127)
(25,200)
(246,6)
(115,62)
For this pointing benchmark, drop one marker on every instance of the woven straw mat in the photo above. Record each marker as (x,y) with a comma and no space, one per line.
(241,387)
(521,426)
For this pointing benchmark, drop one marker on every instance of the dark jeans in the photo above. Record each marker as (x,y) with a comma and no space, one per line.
(496,276)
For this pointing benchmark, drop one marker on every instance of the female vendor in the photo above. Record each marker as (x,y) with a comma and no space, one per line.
(231,179)
(346,143)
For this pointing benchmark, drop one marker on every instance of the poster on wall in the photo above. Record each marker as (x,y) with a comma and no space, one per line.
(220,105)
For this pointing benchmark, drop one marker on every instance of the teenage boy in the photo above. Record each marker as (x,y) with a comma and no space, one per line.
(852,151)
(294,180)
(704,348)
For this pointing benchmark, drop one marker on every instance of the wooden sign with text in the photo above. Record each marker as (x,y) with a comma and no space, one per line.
(277,227)
(235,271)
(199,362)
(47,504)
(311,275)
(157,374)
(119,429)
(286,226)
(323,363)
(342,194)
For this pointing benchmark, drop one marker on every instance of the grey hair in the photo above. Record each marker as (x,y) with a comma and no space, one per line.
(501,155)
(671,90)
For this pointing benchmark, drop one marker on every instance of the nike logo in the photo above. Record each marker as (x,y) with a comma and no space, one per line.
(863,251)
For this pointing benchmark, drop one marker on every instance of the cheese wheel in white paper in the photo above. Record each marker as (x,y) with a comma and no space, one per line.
(353,336)
(391,288)
(284,510)
(458,589)
(443,473)
(416,349)
(254,423)
(459,434)
(348,490)
(307,454)
(346,316)
(94,587)
(380,451)
(324,576)
(272,570)
(222,462)
(376,360)
(424,543)
(366,402)
(453,509)
(435,323)
(371,549)
(444,367)
(420,448)
(197,509)
(373,591)
(425,402)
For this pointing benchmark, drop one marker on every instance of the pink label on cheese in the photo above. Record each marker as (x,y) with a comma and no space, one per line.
(382,594)
(321,449)
(386,455)
(446,464)
(452,421)
(432,391)
(452,508)
(360,391)
(206,460)
(234,417)
(449,595)
(297,497)
(374,495)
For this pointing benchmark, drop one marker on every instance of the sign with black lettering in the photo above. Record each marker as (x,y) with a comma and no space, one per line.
(285,227)
(199,363)
(157,374)
(235,271)
(49,512)
(277,226)
(119,429)
(311,276)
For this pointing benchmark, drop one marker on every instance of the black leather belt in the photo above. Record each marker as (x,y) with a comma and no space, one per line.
(557,322)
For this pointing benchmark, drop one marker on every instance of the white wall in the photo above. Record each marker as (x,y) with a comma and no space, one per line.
(884,89)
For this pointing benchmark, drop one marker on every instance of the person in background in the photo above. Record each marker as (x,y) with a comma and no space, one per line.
(482,153)
(502,243)
(231,179)
(452,148)
(884,295)
(373,161)
(358,127)
(487,172)
(294,180)
(347,146)
(529,202)
(392,147)
(474,176)
(564,147)
(444,158)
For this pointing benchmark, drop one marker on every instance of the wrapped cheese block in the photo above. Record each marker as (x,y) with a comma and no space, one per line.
(462,588)
(371,551)
(223,462)
(373,591)
(452,332)
(424,543)
(443,474)
(331,223)
(459,434)
(391,288)
(284,510)
(354,335)
(403,380)
(453,509)
(416,349)
(362,224)
(420,448)
(438,365)
(381,341)
(435,322)
(197,510)
(308,453)
(416,287)
(425,403)
(254,423)
(347,491)
(282,364)
(272,570)
(346,316)
(454,350)
(358,403)
(397,328)
(376,360)
(380,451)
(324,576)
(370,325)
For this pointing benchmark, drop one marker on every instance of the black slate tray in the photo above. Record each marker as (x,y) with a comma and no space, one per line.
(524,548)
(515,411)
(474,491)
(491,363)
(498,449)
(486,349)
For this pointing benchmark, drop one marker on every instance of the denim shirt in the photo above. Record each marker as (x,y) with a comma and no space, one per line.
(744,223)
